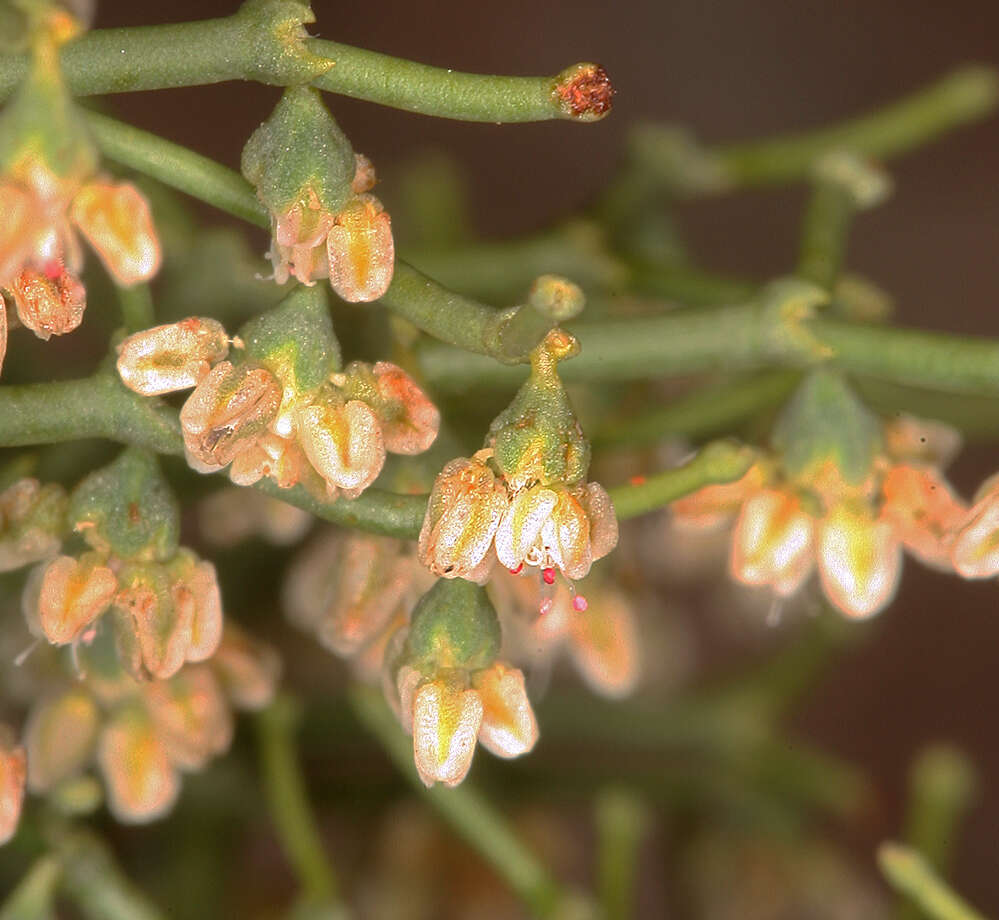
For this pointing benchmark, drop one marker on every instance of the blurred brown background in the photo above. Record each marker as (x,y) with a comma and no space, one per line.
(729,70)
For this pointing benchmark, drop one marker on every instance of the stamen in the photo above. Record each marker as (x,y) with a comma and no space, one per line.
(518,570)
(580,603)
(548,575)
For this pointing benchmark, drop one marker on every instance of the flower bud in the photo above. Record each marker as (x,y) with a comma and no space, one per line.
(176,356)
(343,442)
(228,412)
(72,594)
(446,721)
(50,302)
(860,560)
(12,773)
(191,716)
(465,508)
(272,457)
(773,543)
(195,584)
(142,783)
(60,738)
(361,251)
(115,220)
(509,727)
(604,643)
(32,519)
(248,669)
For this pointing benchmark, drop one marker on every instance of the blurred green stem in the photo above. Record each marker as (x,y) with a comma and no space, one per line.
(137,310)
(288,801)
(907,872)
(34,896)
(620,819)
(466,810)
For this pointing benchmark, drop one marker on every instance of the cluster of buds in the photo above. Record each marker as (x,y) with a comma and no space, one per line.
(51,194)
(32,522)
(844,494)
(353,592)
(141,736)
(524,498)
(325,222)
(443,679)
(597,630)
(286,410)
(164,603)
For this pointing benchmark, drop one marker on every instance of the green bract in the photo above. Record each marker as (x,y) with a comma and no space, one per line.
(454,625)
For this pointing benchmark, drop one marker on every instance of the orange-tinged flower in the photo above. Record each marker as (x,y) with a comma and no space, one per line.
(924,511)
(465,508)
(71,595)
(343,443)
(13,769)
(975,548)
(175,356)
(142,782)
(412,421)
(116,221)
(247,668)
(60,738)
(273,457)
(50,301)
(31,521)
(22,227)
(361,251)
(447,717)
(228,413)
(713,505)
(299,235)
(860,560)
(604,643)
(773,543)
(509,727)
(196,586)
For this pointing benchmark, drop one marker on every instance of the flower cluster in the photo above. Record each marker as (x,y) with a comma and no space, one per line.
(847,513)
(51,194)
(524,498)
(284,410)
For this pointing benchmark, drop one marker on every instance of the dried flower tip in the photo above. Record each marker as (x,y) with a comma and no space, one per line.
(773,543)
(364,175)
(584,92)
(142,783)
(465,508)
(116,221)
(509,727)
(360,250)
(228,412)
(446,722)
(191,716)
(343,443)
(13,768)
(860,560)
(60,737)
(410,421)
(172,357)
(50,302)
(72,594)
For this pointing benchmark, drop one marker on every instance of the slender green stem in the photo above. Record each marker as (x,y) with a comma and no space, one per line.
(719,462)
(688,286)
(466,810)
(34,896)
(137,311)
(964,96)
(620,820)
(907,871)
(710,410)
(95,883)
(288,801)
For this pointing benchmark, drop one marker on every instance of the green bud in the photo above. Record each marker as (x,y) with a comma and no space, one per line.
(298,153)
(454,625)
(825,422)
(127,508)
(295,340)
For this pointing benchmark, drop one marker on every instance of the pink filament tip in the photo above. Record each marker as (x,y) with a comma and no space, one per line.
(517,570)
(579,603)
(548,575)
(546,606)
(53,269)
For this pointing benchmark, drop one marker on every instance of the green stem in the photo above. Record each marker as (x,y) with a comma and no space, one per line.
(466,810)
(94,882)
(34,896)
(289,804)
(137,311)
(907,871)
(966,95)
(620,824)
(719,462)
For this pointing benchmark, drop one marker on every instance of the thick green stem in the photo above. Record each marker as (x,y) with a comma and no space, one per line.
(137,311)
(966,95)
(466,810)
(289,804)
(719,462)
(909,873)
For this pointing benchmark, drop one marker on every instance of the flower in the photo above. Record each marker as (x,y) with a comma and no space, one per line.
(171,357)
(13,768)
(975,548)
(32,517)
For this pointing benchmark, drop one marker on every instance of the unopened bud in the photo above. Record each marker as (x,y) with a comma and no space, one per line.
(509,727)
(195,584)
(446,723)
(50,302)
(72,594)
(361,251)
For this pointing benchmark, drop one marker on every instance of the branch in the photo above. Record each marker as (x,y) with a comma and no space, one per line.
(909,873)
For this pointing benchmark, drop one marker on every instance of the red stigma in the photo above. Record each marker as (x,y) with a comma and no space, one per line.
(517,570)
(548,575)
